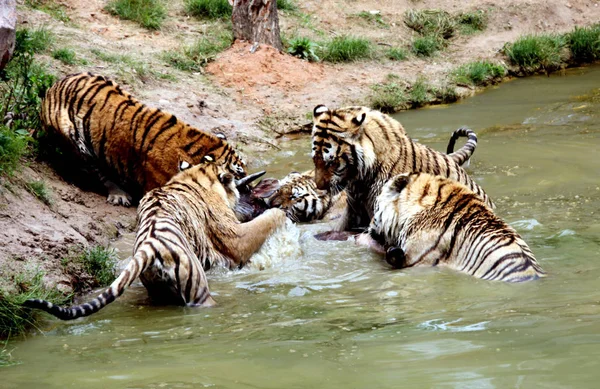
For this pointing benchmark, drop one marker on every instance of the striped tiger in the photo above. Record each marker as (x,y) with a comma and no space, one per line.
(359,149)
(463,155)
(184,228)
(131,147)
(427,220)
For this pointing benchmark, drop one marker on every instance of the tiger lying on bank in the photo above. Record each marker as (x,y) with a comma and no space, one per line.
(297,193)
(131,147)
(359,149)
(184,228)
(426,220)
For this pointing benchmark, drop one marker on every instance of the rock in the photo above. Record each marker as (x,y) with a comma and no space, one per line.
(8,21)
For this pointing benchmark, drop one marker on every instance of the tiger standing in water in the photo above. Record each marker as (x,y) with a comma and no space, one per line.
(131,147)
(425,220)
(359,149)
(184,228)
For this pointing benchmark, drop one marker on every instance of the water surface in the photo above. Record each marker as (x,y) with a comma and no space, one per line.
(333,315)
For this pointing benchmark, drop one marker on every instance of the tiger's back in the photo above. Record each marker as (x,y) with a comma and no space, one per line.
(438,222)
(129,143)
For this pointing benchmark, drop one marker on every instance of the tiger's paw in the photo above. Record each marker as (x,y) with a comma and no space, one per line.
(119,198)
(277,216)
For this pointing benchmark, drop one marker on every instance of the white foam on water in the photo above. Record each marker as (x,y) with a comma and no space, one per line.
(283,245)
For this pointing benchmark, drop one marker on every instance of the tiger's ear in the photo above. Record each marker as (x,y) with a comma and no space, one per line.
(359,119)
(320,110)
(400,182)
(183,165)
(226,178)
(220,135)
(208,158)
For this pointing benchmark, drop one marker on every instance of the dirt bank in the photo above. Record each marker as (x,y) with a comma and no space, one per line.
(234,93)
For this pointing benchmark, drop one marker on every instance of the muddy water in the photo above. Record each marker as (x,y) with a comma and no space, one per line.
(333,315)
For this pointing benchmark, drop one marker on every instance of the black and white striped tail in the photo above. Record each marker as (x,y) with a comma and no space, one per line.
(462,155)
(134,268)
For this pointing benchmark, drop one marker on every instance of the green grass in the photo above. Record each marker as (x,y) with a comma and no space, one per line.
(472,22)
(389,96)
(585,43)
(286,5)
(33,41)
(13,146)
(426,46)
(16,319)
(192,58)
(303,47)
(208,9)
(372,18)
(149,14)
(50,7)
(345,49)
(100,262)
(66,56)
(420,93)
(431,22)
(397,53)
(536,52)
(111,58)
(479,73)
(39,190)
(447,94)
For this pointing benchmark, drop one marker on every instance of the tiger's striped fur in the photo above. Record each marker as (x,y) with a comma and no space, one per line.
(463,155)
(434,221)
(127,143)
(359,149)
(184,228)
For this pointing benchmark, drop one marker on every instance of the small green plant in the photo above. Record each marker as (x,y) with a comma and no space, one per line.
(431,22)
(536,52)
(396,53)
(420,92)
(388,97)
(111,58)
(14,318)
(100,262)
(304,48)
(149,14)
(426,46)
(585,43)
(209,9)
(33,41)
(447,94)
(13,146)
(39,190)
(193,57)
(345,49)
(373,18)
(286,5)
(472,22)
(50,7)
(479,73)
(66,56)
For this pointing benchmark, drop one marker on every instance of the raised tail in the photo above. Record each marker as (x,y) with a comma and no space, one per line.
(135,267)
(462,155)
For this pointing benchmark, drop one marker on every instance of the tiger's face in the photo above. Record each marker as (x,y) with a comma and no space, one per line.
(298,196)
(213,176)
(336,149)
(385,221)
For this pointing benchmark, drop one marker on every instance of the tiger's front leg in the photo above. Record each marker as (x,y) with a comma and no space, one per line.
(116,195)
(250,236)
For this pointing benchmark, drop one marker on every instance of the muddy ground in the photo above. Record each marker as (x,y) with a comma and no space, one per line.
(250,97)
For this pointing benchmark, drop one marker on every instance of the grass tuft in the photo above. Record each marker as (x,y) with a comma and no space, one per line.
(149,14)
(585,43)
(12,147)
(304,48)
(286,5)
(397,54)
(192,58)
(373,18)
(420,93)
(426,46)
(39,190)
(472,22)
(33,41)
(536,52)
(100,262)
(431,22)
(479,73)
(209,9)
(388,97)
(66,56)
(345,49)
(57,11)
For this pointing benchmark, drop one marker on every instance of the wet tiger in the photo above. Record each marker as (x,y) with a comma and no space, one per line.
(126,143)
(359,149)
(184,228)
(427,220)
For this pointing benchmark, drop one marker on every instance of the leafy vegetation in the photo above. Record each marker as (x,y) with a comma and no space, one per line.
(345,49)
(192,58)
(149,14)
(286,5)
(304,48)
(57,11)
(66,56)
(388,97)
(420,93)
(471,22)
(397,54)
(209,9)
(426,46)
(33,41)
(100,263)
(373,18)
(479,73)
(14,318)
(536,52)
(585,43)
(39,190)
(431,22)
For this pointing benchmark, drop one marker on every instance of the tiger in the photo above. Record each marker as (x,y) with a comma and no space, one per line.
(130,147)
(359,149)
(184,228)
(297,193)
(426,220)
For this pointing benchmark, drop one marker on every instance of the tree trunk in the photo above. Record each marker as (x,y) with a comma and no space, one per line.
(8,21)
(256,21)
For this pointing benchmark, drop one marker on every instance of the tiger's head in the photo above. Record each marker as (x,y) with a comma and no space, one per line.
(389,209)
(298,195)
(214,177)
(337,148)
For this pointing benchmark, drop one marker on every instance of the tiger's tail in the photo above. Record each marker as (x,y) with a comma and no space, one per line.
(140,261)
(462,156)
